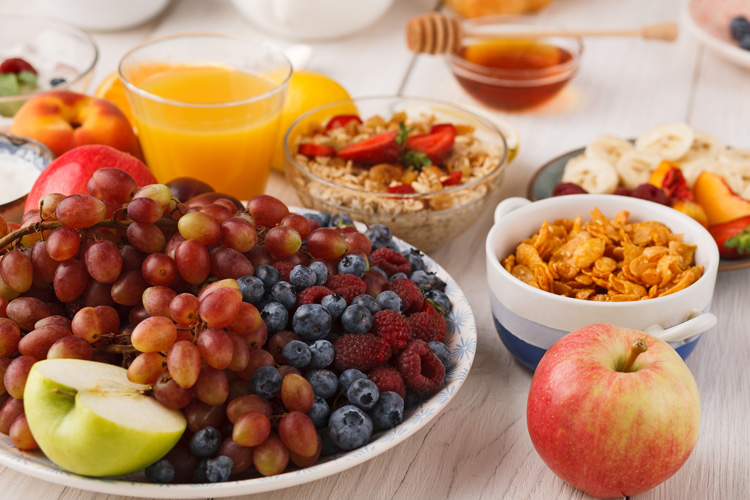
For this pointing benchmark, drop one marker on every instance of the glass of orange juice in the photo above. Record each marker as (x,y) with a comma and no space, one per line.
(207,105)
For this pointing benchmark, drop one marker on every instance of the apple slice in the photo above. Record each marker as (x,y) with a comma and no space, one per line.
(88,418)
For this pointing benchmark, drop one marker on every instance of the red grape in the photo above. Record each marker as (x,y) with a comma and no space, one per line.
(199,415)
(298,433)
(215,347)
(193,262)
(201,227)
(248,319)
(103,261)
(10,335)
(16,375)
(128,289)
(26,311)
(171,395)
(251,402)
(10,410)
(88,324)
(159,269)
(17,270)
(71,347)
(184,363)
(299,223)
(157,299)
(147,238)
(212,386)
(70,280)
(184,309)
(154,334)
(20,434)
(326,243)
(112,184)
(146,368)
(283,242)
(230,263)
(251,429)
(238,233)
(80,210)
(219,308)
(271,456)
(297,393)
(242,456)
(267,210)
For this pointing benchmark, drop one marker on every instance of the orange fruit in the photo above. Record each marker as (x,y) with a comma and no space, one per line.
(113,90)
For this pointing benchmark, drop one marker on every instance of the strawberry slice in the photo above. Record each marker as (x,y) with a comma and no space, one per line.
(342,120)
(451,179)
(16,65)
(436,144)
(401,189)
(381,148)
(310,149)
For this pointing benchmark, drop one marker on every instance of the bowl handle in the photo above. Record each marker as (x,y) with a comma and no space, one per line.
(698,323)
(508,205)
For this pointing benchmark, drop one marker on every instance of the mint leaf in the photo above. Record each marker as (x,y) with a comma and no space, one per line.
(415,159)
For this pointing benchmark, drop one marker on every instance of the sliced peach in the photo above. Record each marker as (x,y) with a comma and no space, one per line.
(657,176)
(718,200)
(692,209)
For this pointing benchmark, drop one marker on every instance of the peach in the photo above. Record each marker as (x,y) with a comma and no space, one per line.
(657,176)
(63,120)
(718,200)
(692,209)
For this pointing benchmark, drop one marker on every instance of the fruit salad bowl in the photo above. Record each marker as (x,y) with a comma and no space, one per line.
(529,320)
(62,56)
(423,204)
(461,340)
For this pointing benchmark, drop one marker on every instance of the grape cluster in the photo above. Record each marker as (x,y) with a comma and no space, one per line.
(220,308)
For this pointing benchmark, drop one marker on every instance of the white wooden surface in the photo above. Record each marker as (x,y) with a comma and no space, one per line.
(478,447)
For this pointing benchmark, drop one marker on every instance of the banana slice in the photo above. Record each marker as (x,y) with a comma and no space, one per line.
(746,193)
(692,169)
(592,174)
(736,163)
(704,146)
(669,141)
(608,148)
(635,168)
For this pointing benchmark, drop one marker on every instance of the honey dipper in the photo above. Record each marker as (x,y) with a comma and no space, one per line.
(437,33)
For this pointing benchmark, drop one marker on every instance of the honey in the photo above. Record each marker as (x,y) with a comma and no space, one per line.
(513,74)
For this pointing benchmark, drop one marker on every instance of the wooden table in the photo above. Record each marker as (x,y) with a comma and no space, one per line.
(478,447)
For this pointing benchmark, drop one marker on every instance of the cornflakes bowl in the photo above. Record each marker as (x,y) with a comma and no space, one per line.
(427,218)
(530,320)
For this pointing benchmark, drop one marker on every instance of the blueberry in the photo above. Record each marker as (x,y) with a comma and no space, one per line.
(303,277)
(335,304)
(268,275)
(745,42)
(442,352)
(265,382)
(252,289)
(214,470)
(321,272)
(349,376)
(739,27)
(388,412)
(341,219)
(349,427)
(368,302)
(415,258)
(275,316)
(412,399)
(322,354)
(398,276)
(380,235)
(356,319)
(353,264)
(205,442)
(319,412)
(161,472)
(327,447)
(311,322)
(440,298)
(324,382)
(284,293)
(427,281)
(297,353)
(363,393)
(390,300)
(57,81)
(315,217)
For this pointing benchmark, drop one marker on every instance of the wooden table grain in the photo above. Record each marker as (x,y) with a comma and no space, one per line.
(478,447)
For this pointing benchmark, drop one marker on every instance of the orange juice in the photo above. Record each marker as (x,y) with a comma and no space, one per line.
(214,123)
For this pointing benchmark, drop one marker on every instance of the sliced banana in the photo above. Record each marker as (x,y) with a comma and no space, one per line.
(669,141)
(746,193)
(635,167)
(592,174)
(704,146)
(736,163)
(692,169)
(608,148)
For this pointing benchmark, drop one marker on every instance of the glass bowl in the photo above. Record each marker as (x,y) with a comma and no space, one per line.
(426,220)
(56,50)
(21,162)
(514,73)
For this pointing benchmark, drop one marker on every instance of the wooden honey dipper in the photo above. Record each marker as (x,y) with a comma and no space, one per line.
(437,33)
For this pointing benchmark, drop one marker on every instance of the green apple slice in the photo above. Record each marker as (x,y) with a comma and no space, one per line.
(88,418)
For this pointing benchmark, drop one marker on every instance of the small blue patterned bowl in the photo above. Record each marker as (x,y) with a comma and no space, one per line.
(13,151)
(530,320)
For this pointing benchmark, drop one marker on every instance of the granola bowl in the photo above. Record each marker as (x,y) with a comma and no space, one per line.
(424,168)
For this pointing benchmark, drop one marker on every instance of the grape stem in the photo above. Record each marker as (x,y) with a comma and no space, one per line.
(16,235)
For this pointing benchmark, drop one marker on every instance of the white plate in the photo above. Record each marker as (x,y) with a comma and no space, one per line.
(709,20)
(461,340)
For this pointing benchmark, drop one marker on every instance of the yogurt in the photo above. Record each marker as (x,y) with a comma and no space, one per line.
(16,178)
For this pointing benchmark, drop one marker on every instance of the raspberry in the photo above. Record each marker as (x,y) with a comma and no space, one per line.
(312,295)
(420,368)
(391,327)
(347,285)
(442,325)
(426,327)
(410,294)
(284,268)
(390,261)
(361,351)
(563,188)
(387,378)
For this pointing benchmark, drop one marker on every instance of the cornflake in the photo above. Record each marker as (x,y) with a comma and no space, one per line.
(605,260)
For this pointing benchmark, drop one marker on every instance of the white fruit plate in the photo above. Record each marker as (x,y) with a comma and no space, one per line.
(461,340)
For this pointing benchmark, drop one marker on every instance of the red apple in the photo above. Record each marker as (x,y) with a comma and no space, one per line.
(70,173)
(607,420)
(62,120)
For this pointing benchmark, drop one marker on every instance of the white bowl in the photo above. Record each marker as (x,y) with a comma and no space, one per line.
(103,15)
(312,19)
(530,320)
